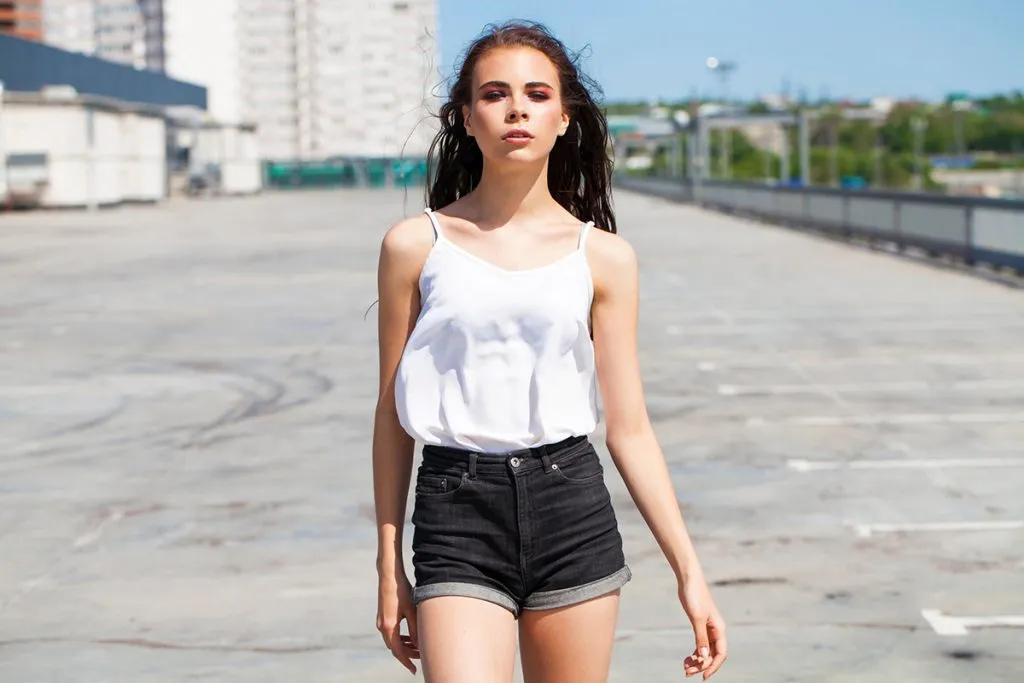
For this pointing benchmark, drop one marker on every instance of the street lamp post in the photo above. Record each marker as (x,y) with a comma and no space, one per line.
(959,107)
(723,70)
(918,124)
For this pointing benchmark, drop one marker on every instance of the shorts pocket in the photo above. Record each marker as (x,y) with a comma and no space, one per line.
(439,484)
(584,468)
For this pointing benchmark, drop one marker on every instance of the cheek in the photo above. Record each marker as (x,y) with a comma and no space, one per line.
(487,118)
(550,118)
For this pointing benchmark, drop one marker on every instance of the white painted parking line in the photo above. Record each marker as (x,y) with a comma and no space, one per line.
(772,328)
(868,530)
(947,625)
(866,387)
(908,419)
(756,362)
(801,465)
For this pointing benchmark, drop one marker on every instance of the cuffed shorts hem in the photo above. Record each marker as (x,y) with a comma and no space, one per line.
(564,597)
(465,590)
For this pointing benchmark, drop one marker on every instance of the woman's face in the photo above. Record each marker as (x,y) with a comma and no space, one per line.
(515,111)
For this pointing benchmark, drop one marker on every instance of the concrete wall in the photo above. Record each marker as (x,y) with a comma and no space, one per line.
(94,155)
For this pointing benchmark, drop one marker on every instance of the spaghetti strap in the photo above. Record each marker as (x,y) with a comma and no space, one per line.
(436,224)
(584,231)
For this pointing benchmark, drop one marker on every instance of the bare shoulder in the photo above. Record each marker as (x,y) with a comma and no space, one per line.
(406,244)
(408,236)
(610,249)
(613,260)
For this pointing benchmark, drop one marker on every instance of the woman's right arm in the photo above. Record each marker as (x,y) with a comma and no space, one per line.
(403,251)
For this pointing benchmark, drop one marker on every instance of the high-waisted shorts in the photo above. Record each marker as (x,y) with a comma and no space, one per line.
(533,529)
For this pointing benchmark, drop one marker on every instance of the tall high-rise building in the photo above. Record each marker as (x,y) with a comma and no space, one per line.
(320,78)
(22,18)
(125,31)
(70,25)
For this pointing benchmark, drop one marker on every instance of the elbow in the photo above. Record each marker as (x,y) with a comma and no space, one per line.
(386,415)
(618,437)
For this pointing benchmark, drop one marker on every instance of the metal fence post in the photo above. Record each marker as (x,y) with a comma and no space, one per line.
(805,150)
(969,235)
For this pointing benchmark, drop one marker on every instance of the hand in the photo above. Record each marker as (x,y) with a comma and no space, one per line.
(394,603)
(708,628)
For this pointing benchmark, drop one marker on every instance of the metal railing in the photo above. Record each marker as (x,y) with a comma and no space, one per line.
(972,229)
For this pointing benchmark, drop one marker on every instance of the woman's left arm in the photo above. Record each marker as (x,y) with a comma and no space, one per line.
(633,445)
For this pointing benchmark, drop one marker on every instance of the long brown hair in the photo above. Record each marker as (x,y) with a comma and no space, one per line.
(579,166)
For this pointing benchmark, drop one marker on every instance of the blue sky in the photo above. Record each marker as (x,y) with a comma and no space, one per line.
(842,48)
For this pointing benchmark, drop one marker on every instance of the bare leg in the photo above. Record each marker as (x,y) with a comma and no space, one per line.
(466,640)
(569,643)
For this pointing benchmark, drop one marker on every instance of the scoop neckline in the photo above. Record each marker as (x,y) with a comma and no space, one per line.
(507,271)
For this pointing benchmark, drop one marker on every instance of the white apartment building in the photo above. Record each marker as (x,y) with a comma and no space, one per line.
(319,78)
(124,31)
(339,77)
(70,25)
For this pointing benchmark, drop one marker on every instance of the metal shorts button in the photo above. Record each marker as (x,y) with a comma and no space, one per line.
(515,462)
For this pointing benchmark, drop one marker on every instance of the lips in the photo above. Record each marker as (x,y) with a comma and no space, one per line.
(517,134)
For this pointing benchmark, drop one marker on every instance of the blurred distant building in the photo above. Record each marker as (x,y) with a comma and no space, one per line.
(22,18)
(124,31)
(319,78)
(28,66)
(70,25)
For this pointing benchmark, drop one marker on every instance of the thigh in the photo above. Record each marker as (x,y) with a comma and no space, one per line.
(465,640)
(569,643)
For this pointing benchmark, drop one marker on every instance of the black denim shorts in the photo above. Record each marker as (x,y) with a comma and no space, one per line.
(533,529)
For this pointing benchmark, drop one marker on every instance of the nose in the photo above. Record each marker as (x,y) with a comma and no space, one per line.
(516,112)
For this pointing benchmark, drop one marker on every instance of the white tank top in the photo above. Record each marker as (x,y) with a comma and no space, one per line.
(499,360)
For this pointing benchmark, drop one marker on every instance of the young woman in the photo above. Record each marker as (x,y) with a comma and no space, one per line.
(502,310)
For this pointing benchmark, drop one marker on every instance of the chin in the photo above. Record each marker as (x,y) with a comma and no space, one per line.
(525,155)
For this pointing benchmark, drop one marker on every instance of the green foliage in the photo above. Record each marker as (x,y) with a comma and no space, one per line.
(995,125)
(883,153)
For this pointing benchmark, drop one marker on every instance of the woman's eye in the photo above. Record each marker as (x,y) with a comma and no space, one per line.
(540,96)
(493,95)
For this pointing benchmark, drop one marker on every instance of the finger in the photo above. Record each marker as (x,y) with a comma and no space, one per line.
(414,634)
(703,651)
(716,664)
(721,652)
(696,666)
(691,665)
(385,633)
(410,648)
(398,650)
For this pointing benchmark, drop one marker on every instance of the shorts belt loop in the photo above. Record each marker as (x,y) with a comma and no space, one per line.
(472,465)
(546,459)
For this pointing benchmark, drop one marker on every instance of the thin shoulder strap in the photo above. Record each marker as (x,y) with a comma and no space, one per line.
(438,235)
(584,231)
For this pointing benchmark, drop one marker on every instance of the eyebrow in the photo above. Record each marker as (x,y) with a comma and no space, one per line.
(503,84)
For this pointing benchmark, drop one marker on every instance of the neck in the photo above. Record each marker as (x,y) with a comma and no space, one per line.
(507,193)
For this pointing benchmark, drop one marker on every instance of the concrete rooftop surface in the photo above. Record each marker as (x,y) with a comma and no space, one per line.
(186,399)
